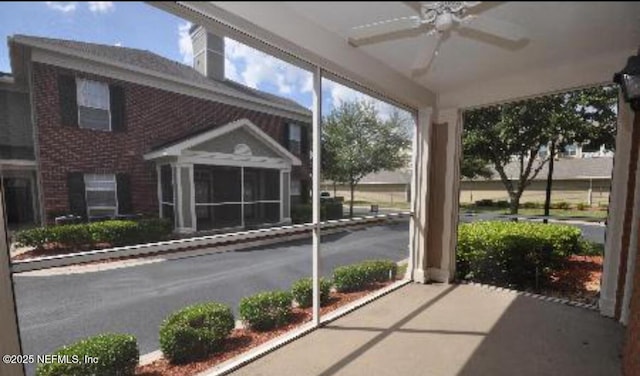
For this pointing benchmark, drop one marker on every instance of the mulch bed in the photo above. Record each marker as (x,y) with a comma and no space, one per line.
(243,340)
(578,280)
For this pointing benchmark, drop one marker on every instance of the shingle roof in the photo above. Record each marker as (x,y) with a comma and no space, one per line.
(387,177)
(566,169)
(151,61)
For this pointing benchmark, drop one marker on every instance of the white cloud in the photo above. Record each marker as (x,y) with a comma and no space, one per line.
(64,7)
(260,69)
(118,44)
(100,6)
(184,43)
(340,93)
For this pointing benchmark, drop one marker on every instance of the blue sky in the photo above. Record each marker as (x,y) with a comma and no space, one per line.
(138,25)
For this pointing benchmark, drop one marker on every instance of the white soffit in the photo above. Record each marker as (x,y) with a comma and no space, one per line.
(283,27)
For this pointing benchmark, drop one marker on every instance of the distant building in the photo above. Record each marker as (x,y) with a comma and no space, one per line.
(579,177)
(103,131)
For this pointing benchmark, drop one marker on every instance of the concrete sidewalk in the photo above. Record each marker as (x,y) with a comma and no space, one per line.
(454,330)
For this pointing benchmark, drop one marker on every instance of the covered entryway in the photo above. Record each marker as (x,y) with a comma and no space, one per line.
(234,176)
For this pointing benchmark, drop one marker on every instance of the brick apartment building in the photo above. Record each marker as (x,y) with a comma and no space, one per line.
(105,131)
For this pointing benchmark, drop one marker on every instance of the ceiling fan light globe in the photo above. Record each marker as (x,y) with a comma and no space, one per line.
(444,22)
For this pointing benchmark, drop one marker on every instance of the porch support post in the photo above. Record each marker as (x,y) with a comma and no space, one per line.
(419,195)
(10,343)
(185,198)
(444,190)
(317,118)
(242,196)
(617,229)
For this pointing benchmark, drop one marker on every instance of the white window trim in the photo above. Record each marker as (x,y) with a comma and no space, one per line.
(108,109)
(115,192)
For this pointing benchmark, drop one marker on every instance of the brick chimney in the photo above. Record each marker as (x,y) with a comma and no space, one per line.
(208,52)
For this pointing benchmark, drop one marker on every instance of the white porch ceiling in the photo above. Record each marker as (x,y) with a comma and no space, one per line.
(559,33)
(570,44)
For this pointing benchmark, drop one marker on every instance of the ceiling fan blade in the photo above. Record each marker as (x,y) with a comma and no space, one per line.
(386,30)
(426,57)
(497,28)
(477,7)
(415,5)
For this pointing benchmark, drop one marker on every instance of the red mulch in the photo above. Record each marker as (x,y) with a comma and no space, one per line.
(578,280)
(243,340)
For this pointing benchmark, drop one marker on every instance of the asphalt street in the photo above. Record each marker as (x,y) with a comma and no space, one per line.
(58,310)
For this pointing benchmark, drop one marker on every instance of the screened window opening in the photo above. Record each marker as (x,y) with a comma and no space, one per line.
(93,105)
(101,195)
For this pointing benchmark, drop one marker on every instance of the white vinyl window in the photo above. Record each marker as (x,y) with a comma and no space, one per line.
(295,136)
(94,110)
(101,195)
(295,187)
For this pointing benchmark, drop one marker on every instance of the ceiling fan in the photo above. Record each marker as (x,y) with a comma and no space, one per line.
(441,18)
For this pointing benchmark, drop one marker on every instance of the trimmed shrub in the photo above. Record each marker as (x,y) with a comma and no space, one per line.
(302,292)
(514,254)
(36,237)
(154,229)
(115,354)
(71,236)
(266,310)
(350,278)
(485,203)
(114,232)
(532,205)
(502,204)
(329,209)
(562,205)
(380,270)
(583,206)
(196,331)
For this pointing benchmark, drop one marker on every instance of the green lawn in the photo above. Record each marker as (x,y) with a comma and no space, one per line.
(561,213)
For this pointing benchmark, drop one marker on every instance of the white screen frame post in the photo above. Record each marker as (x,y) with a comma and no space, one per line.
(317,119)
(10,343)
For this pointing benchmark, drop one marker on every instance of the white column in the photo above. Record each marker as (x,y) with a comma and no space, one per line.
(617,202)
(281,196)
(9,339)
(419,195)
(159,181)
(317,119)
(242,196)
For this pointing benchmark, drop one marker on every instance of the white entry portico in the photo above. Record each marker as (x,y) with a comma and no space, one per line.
(232,176)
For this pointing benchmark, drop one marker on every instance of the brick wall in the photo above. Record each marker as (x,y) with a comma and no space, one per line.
(631,360)
(153,117)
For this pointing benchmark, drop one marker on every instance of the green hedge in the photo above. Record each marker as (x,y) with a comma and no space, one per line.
(513,254)
(350,278)
(357,277)
(266,310)
(380,270)
(195,331)
(302,292)
(116,354)
(114,232)
(329,209)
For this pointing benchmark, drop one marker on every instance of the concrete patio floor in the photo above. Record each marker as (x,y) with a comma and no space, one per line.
(454,330)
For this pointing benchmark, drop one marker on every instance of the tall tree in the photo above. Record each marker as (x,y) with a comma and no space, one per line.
(585,117)
(357,142)
(502,134)
(519,131)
